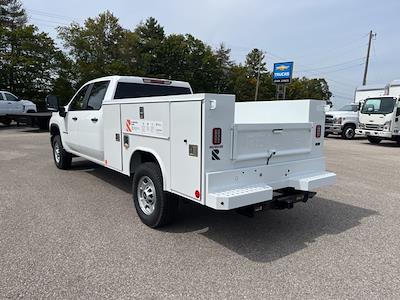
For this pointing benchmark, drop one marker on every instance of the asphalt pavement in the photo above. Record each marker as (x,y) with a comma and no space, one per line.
(75,234)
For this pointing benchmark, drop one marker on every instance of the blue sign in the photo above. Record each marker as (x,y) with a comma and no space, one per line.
(283,72)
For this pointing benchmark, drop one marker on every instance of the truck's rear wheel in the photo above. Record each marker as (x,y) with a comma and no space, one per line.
(374,140)
(349,131)
(155,207)
(62,158)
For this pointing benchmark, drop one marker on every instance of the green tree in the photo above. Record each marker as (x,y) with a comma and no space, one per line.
(305,88)
(100,47)
(183,57)
(150,36)
(255,62)
(224,65)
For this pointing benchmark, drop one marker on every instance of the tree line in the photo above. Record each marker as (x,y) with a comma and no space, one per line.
(32,65)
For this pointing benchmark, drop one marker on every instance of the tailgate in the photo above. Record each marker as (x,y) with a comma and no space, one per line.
(255,141)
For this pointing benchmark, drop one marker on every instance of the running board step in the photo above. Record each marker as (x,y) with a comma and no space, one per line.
(238,197)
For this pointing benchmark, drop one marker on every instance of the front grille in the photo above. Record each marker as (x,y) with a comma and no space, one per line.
(328,119)
(374,127)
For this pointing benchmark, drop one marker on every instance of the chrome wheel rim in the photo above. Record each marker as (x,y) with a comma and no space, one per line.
(146,194)
(57,153)
(349,133)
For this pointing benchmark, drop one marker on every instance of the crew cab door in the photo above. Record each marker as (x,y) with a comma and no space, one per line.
(14,106)
(90,122)
(75,113)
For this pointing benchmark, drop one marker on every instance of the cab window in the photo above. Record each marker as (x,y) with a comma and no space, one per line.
(96,95)
(1,96)
(78,103)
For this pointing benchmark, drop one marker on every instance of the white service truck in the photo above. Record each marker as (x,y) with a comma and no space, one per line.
(11,105)
(343,121)
(202,147)
(379,116)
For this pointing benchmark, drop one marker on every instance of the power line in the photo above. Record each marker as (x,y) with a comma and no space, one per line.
(334,71)
(49,21)
(332,66)
(51,15)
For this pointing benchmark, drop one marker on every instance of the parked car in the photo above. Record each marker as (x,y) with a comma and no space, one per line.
(343,121)
(11,104)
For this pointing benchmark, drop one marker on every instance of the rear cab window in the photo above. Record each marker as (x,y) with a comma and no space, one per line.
(137,90)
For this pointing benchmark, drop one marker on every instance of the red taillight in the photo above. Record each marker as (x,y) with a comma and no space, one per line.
(217,136)
(197,194)
(318,131)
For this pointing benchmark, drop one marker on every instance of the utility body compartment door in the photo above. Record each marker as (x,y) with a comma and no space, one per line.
(186,148)
(112,136)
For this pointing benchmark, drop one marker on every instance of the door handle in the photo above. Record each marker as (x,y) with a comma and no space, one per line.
(74,118)
(277,131)
(94,119)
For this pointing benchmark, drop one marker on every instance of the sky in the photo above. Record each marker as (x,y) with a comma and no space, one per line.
(324,38)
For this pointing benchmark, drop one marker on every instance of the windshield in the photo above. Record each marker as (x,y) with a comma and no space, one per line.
(349,108)
(378,106)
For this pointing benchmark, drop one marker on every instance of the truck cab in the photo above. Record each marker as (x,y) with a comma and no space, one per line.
(379,119)
(343,121)
(83,124)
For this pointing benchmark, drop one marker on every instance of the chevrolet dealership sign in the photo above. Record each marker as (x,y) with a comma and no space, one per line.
(283,72)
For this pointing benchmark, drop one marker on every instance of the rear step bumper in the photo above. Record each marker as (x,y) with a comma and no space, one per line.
(257,185)
(283,199)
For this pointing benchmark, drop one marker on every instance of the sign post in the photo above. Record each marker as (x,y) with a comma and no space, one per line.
(282,76)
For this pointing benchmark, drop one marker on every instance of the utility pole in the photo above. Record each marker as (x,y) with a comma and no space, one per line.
(258,75)
(371,35)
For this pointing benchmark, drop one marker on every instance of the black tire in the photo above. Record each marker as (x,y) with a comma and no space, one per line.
(64,159)
(161,209)
(349,131)
(374,140)
(6,121)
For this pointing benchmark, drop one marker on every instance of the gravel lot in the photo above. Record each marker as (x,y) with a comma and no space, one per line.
(75,234)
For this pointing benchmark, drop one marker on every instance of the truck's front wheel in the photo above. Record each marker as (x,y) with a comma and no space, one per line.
(155,207)
(349,131)
(62,158)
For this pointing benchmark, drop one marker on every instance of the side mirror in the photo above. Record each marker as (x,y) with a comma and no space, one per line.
(52,103)
(62,112)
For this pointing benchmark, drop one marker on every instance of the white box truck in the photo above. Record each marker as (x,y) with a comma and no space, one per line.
(202,147)
(379,116)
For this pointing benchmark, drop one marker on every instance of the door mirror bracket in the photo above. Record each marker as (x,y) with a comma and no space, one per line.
(62,112)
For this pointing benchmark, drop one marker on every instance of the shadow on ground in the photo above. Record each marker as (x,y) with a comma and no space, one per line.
(339,137)
(268,236)
(387,144)
(22,128)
